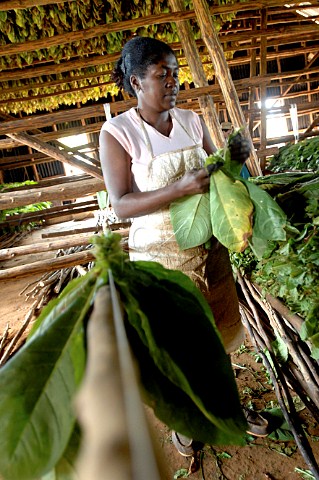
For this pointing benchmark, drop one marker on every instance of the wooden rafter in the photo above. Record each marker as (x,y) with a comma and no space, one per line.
(21,4)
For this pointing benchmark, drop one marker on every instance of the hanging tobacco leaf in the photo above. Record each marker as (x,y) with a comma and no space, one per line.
(190,217)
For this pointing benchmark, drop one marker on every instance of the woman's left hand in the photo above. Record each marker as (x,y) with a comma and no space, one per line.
(239,148)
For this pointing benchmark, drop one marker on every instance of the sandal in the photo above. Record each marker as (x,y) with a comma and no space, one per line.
(186,446)
(257,424)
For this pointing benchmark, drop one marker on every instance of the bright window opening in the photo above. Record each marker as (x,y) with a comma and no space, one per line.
(75,141)
(276,121)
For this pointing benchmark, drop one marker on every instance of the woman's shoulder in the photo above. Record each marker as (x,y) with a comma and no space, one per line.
(185,114)
(123,120)
(190,121)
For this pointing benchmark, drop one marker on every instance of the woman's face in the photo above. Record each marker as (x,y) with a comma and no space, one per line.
(159,88)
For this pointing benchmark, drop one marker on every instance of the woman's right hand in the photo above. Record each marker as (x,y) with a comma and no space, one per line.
(194,181)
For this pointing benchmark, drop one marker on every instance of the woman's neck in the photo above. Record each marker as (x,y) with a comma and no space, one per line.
(162,122)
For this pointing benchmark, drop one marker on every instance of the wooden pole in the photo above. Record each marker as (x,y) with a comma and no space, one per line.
(48,265)
(48,214)
(206,102)
(53,245)
(222,73)
(64,191)
(105,451)
(253,70)
(21,4)
(54,152)
(263,90)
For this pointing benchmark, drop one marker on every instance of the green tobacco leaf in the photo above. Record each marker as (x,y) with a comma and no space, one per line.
(190,217)
(181,473)
(269,219)
(181,354)
(65,468)
(305,474)
(37,386)
(231,211)
(280,349)
(102,199)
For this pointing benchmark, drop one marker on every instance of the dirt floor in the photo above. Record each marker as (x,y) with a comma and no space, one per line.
(269,458)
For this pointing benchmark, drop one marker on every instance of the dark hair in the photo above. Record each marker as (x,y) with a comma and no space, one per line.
(137,55)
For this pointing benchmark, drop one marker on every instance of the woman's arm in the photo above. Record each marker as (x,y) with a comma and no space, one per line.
(208,143)
(116,167)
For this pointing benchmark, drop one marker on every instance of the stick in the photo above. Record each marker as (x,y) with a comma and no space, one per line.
(18,335)
(4,337)
(283,396)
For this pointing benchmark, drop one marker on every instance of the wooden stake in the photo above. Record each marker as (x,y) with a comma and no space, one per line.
(222,73)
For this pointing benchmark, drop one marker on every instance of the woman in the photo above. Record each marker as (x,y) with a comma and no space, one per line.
(154,154)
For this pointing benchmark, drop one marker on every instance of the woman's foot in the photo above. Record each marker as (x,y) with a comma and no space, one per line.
(257,424)
(188,448)
(184,445)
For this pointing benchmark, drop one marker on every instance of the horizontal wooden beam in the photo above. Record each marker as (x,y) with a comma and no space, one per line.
(47,214)
(38,121)
(54,152)
(80,239)
(47,265)
(21,4)
(48,246)
(76,189)
(8,143)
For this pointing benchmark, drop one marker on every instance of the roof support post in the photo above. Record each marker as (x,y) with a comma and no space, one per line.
(263,88)
(215,49)
(206,102)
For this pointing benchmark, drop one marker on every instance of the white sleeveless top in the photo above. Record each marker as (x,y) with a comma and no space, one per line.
(186,133)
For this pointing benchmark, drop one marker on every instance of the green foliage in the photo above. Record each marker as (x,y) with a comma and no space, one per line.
(65,469)
(231,211)
(288,268)
(8,186)
(238,213)
(305,474)
(4,214)
(24,209)
(303,156)
(290,272)
(269,219)
(184,403)
(191,222)
(181,473)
